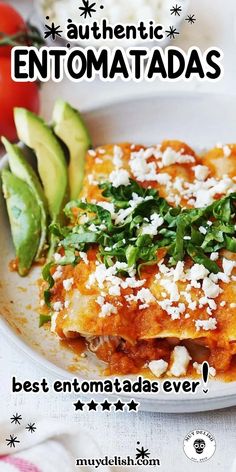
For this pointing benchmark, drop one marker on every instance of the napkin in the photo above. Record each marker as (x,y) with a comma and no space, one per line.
(52,447)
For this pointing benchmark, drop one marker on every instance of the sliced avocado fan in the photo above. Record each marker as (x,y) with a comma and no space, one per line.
(52,168)
(70,128)
(25,219)
(21,169)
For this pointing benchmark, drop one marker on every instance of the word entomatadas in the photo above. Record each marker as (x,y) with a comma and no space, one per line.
(137,64)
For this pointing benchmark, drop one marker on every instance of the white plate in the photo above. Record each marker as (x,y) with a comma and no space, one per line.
(201,121)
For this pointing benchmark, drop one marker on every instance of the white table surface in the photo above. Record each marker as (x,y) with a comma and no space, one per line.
(118,433)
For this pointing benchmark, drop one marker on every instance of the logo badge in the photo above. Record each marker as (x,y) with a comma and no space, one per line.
(199,445)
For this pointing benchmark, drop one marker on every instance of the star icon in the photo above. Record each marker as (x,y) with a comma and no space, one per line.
(53,31)
(79,405)
(176,10)
(31,427)
(119,406)
(106,405)
(16,419)
(142,453)
(133,406)
(12,441)
(87,9)
(171,32)
(92,405)
(190,19)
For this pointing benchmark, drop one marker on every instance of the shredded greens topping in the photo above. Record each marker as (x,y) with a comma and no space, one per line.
(181,232)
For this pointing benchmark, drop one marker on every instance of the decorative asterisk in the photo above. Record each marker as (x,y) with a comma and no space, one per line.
(87,9)
(16,418)
(142,453)
(176,10)
(190,19)
(171,32)
(12,441)
(53,31)
(31,427)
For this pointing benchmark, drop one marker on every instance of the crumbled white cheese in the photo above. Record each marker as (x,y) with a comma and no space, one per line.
(57,306)
(179,271)
(93,228)
(92,153)
(109,207)
(206,325)
(210,289)
(170,156)
(53,322)
(114,290)
(158,368)
(119,177)
(91,180)
(131,282)
(107,309)
(198,368)
(202,230)
(152,228)
(58,273)
(171,288)
(181,359)
(201,172)
(103,275)
(214,256)
(173,311)
(57,257)
(163,178)
(197,272)
(117,156)
(67,283)
(100,300)
(83,219)
(84,257)
(144,296)
(228,266)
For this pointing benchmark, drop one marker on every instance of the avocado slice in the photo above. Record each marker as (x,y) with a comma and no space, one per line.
(20,167)
(52,168)
(25,219)
(70,128)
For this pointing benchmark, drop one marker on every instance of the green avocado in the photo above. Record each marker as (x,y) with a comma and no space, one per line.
(20,168)
(25,219)
(52,168)
(71,129)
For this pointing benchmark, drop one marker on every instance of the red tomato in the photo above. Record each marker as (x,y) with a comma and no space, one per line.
(11,22)
(14,94)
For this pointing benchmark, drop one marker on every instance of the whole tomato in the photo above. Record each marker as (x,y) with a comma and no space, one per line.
(14,94)
(11,23)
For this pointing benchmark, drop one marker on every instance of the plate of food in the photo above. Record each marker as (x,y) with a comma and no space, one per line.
(118,256)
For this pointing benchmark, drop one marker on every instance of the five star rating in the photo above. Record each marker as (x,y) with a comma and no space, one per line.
(106,405)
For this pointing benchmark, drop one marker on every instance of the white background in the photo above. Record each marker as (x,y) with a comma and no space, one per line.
(118,433)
